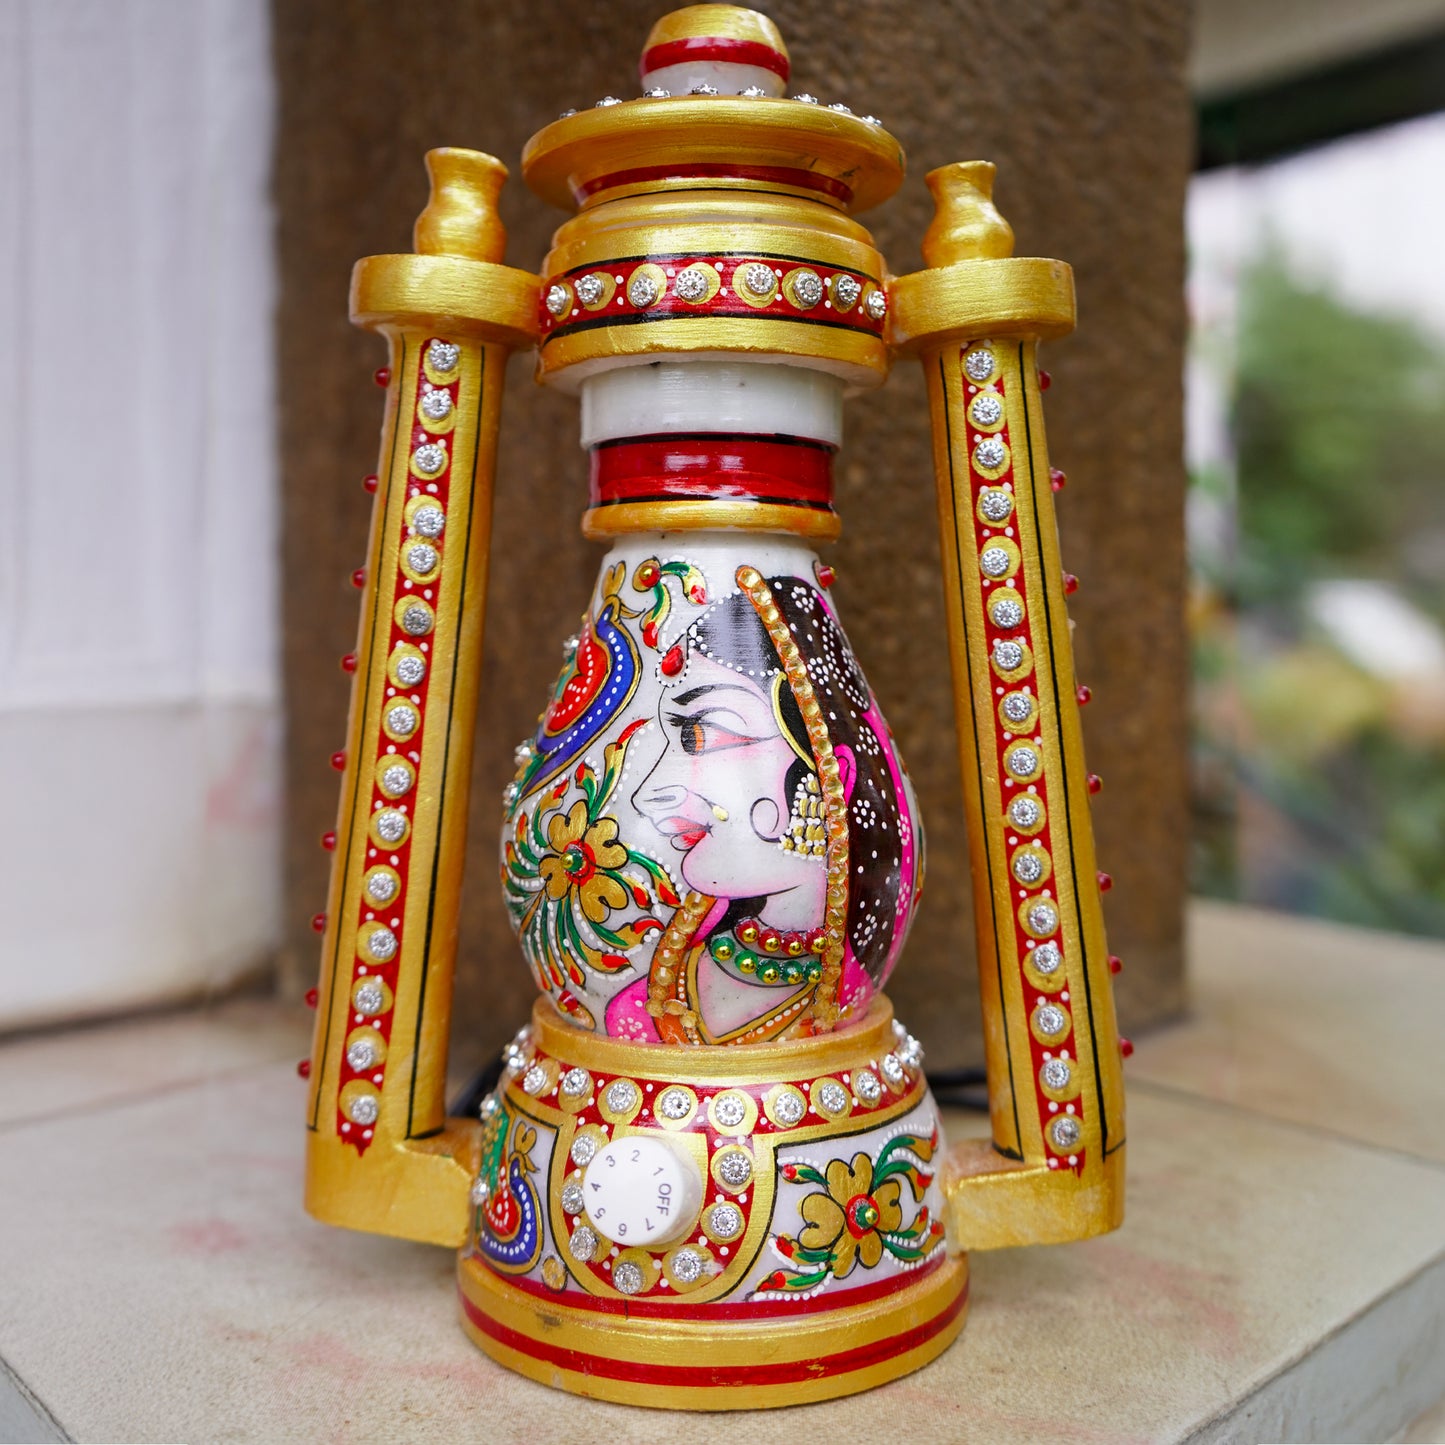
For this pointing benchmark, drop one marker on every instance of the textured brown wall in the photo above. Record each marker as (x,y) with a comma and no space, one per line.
(1083,107)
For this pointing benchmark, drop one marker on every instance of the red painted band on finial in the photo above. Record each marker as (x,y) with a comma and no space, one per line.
(716,48)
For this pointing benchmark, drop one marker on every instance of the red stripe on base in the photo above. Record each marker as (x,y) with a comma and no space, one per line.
(712,468)
(715,1377)
(715,48)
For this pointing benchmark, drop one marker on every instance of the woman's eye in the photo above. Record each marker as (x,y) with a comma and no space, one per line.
(699,736)
(693,736)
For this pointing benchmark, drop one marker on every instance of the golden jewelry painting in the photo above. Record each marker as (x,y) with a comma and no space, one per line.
(712,1175)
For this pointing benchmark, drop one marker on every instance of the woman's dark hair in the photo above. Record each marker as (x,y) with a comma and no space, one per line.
(733,634)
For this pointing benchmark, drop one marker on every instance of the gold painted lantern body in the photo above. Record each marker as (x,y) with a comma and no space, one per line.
(712,1175)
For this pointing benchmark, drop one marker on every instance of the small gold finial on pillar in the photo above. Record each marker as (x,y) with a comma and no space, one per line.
(461,217)
(966,224)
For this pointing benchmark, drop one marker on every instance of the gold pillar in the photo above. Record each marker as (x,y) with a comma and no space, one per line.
(381,1154)
(1053,1169)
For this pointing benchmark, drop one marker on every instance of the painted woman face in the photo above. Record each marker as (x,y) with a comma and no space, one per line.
(718,794)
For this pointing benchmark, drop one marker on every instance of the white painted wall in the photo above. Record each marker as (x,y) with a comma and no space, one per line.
(139,697)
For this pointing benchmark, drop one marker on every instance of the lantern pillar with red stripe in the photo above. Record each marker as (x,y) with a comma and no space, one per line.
(712,1173)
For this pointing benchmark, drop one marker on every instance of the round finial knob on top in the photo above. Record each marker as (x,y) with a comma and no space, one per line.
(966,224)
(723,48)
(461,216)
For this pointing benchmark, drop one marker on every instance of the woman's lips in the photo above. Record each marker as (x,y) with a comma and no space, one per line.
(684,832)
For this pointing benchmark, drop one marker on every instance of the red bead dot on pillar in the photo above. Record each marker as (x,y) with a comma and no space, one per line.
(1071,584)
(371,481)
(348,663)
(328,841)
(338,761)
(358,578)
(1095,782)
(1116,964)
(1083,694)
(312,998)
(382,376)
(1045,380)
(318,923)
(1057,479)
(304,1068)
(826,576)
(1126,1047)
(1105,883)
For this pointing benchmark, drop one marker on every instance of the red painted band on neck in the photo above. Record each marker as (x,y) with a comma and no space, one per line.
(715,48)
(713,467)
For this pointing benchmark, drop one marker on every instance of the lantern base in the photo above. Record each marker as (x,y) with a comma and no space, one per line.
(750,1362)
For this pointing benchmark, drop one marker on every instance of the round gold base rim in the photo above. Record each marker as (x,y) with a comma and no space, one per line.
(753,1364)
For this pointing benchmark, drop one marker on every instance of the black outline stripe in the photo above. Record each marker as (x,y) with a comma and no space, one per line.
(1063,760)
(781,438)
(639,318)
(1016,1154)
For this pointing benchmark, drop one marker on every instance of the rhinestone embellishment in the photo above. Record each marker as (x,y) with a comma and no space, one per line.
(1007,655)
(583,1244)
(877,305)
(867,1087)
(573,1199)
(758,278)
(576,1082)
(1066,1132)
(436,404)
(1006,612)
(994,561)
(846,291)
(753,92)
(402,720)
(589,290)
(703,89)
(429,458)
(691,284)
(674,1104)
(1024,761)
(833,1097)
(534,1081)
(1043,918)
(655,92)
(627,1277)
(1018,707)
(364,1109)
(1024,811)
(442,356)
(1046,958)
(381,887)
(1028,868)
(729,1110)
(986,409)
(989,453)
(1051,1020)
(892,1070)
(725,1220)
(642,291)
(584,1146)
(396,781)
(606,101)
(995,506)
(979,364)
(735,1169)
(687,1266)
(416,621)
(410,670)
(808,288)
(428,521)
(788,1109)
(621,1096)
(804,98)
(361,1055)
(481,1191)
(369,999)
(390,825)
(1057,1074)
(422,558)
(558,300)
(381,944)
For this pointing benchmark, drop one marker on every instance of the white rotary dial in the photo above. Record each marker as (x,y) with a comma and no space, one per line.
(642,1190)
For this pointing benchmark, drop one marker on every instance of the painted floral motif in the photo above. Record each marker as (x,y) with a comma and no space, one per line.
(857,1216)
(506,1222)
(567,872)
(650,576)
